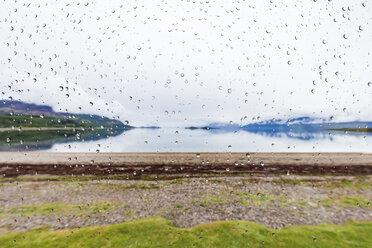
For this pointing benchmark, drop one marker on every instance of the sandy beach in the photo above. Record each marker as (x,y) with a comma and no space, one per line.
(23,163)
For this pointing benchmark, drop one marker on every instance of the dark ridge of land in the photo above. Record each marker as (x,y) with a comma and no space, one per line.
(355,130)
(22,114)
(14,164)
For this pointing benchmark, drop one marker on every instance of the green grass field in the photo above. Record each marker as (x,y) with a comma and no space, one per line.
(158,232)
(37,121)
(86,121)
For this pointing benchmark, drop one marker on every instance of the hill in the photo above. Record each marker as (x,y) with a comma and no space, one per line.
(27,115)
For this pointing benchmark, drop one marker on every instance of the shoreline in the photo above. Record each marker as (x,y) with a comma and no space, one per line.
(136,164)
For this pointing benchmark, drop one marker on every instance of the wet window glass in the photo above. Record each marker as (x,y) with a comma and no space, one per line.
(185,123)
(176,75)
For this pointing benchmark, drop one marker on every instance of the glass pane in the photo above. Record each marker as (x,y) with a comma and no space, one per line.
(211,76)
(185,112)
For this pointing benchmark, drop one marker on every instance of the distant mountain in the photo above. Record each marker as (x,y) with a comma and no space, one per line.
(305,124)
(300,128)
(18,108)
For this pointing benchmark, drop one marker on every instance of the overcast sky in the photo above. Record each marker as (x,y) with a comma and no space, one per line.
(181,63)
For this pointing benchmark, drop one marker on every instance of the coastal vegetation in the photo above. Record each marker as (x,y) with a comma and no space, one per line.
(19,122)
(159,232)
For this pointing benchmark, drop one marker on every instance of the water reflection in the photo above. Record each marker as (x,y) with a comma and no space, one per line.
(40,140)
(201,140)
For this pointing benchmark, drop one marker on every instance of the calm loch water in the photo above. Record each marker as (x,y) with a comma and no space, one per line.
(199,140)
